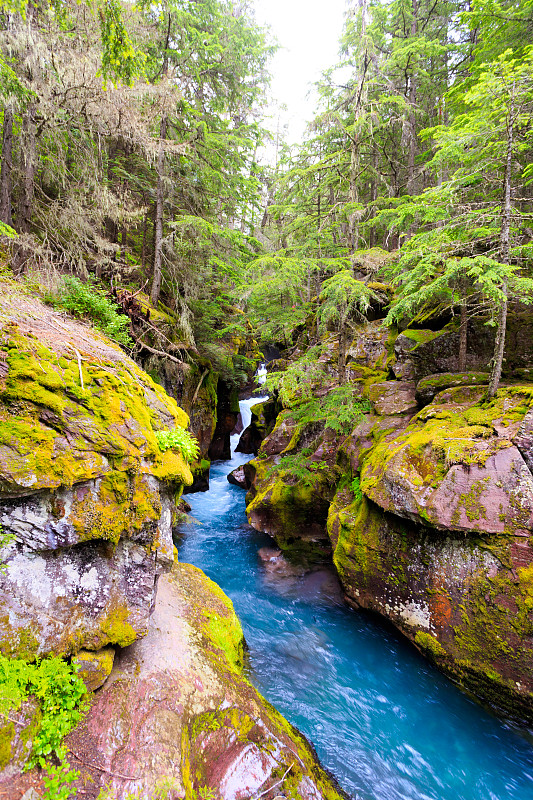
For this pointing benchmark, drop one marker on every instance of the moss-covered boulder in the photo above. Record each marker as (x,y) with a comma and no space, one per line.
(293,510)
(94,667)
(465,602)
(428,387)
(86,493)
(393,397)
(177,712)
(372,347)
(455,466)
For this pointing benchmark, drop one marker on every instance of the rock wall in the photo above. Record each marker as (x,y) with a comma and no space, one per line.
(177,711)
(85,492)
(429,511)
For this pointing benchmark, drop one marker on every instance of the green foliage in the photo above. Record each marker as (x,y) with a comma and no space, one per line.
(7,230)
(120,60)
(89,301)
(179,439)
(58,781)
(59,691)
(341,296)
(296,382)
(299,468)
(339,410)
(355,486)
(303,388)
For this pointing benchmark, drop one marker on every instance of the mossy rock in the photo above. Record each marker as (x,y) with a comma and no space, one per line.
(466,603)
(94,667)
(455,466)
(429,387)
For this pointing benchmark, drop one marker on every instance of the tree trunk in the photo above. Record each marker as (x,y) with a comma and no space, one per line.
(463,334)
(143,247)
(7,165)
(411,179)
(505,236)
(158,228)
(342,355)
(25,205)
(29,163)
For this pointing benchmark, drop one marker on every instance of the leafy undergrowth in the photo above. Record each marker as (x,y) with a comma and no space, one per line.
(89,301)
(59,691)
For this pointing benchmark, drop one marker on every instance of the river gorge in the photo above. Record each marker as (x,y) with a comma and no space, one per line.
(385,722)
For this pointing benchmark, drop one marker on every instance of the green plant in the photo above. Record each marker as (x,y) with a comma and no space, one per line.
(179,439)
(59,780)
(89,301)
(300,468)
(7,231)
(338,410)
(355,486)
(58,689)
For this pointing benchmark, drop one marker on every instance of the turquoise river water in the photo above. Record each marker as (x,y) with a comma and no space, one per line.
(385,723)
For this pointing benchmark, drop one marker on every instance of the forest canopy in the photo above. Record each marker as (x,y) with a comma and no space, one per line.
(131,155)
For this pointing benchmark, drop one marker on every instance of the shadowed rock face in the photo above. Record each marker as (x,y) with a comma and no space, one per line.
(176,709)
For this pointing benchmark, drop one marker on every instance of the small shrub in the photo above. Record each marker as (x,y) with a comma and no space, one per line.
(89,301)
(58,781)
(179,439)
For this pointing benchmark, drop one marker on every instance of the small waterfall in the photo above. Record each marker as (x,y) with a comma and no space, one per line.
(246,416)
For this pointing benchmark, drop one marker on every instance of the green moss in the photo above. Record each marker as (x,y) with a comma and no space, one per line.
(110,413)
(422,336)
(18,642)
(470,502)
(116,628)
(226,634)
(441,436)
(430,645)
(7,734)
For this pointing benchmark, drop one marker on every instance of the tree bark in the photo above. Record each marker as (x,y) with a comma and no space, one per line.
(22,253)
(158,227)
(29,163)
(342,355)
(505,237)
(159,198)
(7,166)
(463,336)
(411,179)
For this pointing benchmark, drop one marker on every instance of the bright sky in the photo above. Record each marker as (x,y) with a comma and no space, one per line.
(308,32)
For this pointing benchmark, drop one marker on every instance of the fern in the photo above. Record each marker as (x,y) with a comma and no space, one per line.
(89,301)
(179,439)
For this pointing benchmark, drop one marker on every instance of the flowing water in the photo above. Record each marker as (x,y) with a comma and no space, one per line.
(383,721)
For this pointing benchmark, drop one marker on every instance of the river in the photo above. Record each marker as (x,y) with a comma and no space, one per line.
(382,719)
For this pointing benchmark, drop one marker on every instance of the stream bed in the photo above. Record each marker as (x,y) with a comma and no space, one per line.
(385,723)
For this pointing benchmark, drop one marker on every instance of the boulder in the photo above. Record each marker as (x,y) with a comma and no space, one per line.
(239,478)
(464,601)
(372,347)
(429,387)
(94,667)
(455,467)
(524,439)
(393,397)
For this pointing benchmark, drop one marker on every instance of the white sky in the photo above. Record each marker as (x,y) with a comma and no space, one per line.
(308,32)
